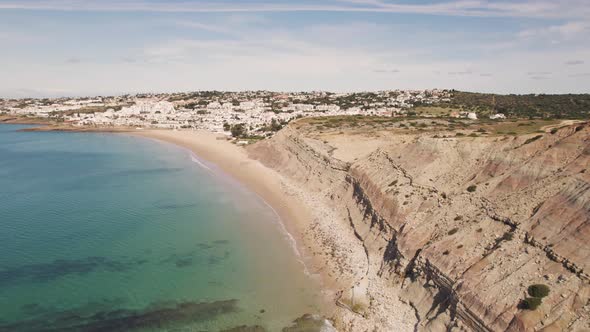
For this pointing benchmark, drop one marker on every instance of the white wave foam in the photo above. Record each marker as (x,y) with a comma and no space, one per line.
(283,228)
(200,163)
(288,235)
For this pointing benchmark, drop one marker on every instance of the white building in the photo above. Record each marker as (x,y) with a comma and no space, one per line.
(214,105)
(497,116)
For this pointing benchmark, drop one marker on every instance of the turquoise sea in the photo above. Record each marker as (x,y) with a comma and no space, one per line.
(109,232)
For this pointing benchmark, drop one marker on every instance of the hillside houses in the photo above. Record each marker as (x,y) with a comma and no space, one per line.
(215,110)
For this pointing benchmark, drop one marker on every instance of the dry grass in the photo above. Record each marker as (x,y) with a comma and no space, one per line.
(518,127)
(434,111)
(370,125)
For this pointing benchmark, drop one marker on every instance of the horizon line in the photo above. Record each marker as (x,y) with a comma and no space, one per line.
(135,94)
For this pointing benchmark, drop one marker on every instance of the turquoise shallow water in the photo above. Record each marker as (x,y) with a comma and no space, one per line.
(112,232)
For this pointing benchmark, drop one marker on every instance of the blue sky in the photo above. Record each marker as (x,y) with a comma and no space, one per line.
(74,47)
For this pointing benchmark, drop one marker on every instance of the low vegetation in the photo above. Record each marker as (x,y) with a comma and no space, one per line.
(541,106)
(536,294)
(538,290)
(434,111)
(441,128)
(530,303)
(238,130)
(532,139)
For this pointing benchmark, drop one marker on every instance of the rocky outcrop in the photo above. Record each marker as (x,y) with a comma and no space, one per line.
(399,224)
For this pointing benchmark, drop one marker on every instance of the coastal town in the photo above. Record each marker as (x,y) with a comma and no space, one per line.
(254,113)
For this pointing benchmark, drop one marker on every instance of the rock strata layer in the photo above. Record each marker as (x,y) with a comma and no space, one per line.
(416,250)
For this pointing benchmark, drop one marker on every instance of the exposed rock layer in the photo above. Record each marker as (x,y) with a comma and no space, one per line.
(397,222)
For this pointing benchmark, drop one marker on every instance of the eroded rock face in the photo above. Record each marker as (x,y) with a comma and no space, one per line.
(408,227)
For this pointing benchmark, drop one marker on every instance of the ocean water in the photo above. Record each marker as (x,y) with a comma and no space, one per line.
(111,232)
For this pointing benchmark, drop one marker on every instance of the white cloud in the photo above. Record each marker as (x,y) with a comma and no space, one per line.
(205,26)
(523,8)
(245,51)
(565,31)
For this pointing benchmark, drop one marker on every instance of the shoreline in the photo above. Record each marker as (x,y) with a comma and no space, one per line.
(217,171)
(329,251)
(266,184)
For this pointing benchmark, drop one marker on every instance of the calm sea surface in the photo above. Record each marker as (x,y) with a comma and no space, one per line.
(112,232)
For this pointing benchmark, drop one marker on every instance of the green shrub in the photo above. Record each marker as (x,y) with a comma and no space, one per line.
(471,188)
(507,236)
(554,130)
(532,139)
(538,290)
(238,130)
(520,106)
(453,231)
(530,303)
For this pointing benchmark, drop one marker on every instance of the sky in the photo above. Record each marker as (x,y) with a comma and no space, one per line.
(51,48)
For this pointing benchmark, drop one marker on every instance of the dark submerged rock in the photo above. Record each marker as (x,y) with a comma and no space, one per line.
(310,323)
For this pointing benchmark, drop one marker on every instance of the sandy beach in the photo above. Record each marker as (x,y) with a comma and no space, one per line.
(265,182)
(234,161)
(295,215)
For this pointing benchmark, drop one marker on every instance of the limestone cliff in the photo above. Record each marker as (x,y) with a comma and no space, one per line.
(397,222)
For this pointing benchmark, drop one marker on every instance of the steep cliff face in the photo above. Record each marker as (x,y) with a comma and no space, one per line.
(398,222)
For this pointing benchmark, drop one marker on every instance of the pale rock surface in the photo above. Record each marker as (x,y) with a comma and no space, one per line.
(410,249)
